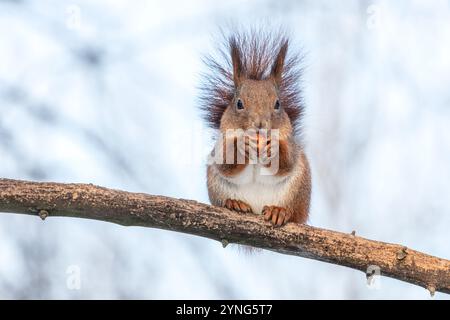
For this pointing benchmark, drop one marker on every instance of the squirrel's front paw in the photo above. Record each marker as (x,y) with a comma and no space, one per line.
(249,149)
(237,205)
(277,215)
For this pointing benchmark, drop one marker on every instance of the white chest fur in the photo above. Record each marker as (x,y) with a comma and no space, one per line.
(256,188)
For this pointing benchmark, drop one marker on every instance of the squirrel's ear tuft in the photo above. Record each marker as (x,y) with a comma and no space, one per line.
(236,60)
(278,64)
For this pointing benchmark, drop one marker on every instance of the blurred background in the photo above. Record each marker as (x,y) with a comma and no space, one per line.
(106,92)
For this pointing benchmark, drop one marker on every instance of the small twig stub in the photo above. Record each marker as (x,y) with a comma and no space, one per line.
(43,214)
(402,253)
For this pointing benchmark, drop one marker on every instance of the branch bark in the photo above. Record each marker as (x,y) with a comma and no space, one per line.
(188,216)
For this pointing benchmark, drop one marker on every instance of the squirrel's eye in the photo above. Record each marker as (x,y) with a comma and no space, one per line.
(277,105)
(239,104)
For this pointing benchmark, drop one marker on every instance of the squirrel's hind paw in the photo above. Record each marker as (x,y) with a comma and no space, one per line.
(237,205)
(278,216)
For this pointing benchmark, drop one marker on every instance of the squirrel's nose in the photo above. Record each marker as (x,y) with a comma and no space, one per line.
(261,123)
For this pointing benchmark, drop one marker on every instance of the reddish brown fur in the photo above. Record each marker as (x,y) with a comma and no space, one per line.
(230,169)
(286,158)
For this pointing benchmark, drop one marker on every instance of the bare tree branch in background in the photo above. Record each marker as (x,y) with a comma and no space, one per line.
(188,216)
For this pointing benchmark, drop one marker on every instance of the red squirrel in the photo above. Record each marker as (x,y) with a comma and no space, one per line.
(254,93)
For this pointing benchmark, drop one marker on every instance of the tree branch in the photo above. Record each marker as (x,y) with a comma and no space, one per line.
(187,216)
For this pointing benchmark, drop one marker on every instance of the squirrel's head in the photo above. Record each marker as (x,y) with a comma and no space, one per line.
(256,103)
(259,87)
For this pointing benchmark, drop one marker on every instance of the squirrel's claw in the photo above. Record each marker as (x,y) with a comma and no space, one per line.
(237,205)
(278,216)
